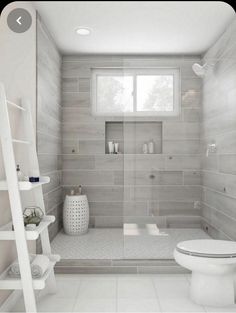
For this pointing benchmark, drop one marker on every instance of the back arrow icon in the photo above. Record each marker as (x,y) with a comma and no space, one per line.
(18,20)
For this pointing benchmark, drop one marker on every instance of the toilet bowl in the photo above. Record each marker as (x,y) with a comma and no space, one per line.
(213,266)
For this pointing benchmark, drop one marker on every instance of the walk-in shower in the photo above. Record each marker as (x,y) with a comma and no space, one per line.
(142,201)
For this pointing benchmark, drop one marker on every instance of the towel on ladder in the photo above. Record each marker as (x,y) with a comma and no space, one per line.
(39,265)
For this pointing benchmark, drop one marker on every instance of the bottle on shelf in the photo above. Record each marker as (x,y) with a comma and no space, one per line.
(151,147)
(145,148)
(116,146)
(80,190)
(111,147)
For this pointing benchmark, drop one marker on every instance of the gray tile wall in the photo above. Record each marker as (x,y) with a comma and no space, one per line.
(49,122)
(169,197)
(219,126)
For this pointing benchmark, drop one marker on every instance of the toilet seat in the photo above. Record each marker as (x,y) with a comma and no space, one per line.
(208,248)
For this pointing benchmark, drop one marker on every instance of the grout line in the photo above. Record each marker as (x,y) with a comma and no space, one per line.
(219,192)
(74,92)
(52,172)
(48,135)
(116,294)
(214,172)
(218,230)
(97,169)
(54,207)
(135,155)
(157,295)
(52,190)
(77,295)
(213,208)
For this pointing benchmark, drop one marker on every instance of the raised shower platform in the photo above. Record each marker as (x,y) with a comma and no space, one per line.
(108,250)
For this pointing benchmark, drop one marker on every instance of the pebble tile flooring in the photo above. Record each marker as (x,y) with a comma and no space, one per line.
(110,243)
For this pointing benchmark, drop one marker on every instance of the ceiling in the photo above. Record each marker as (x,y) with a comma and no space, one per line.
(136,27)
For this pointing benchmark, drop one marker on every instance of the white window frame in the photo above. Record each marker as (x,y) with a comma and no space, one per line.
(175,72)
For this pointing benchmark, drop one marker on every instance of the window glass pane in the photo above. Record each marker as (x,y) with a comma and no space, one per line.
(114,94)
(155,93)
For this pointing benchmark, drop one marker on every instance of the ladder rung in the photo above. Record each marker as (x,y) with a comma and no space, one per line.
(26,185)
(7,282)
(25,142)
(6,232)
(16,105)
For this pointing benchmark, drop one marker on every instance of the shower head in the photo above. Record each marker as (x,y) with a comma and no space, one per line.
(200,70)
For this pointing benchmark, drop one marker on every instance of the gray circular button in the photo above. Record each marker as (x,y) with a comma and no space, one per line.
(19,20)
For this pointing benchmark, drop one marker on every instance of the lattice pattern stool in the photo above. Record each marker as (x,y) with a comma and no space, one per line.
(76,215)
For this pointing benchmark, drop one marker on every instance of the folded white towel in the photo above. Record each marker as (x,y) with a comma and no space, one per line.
(39,264)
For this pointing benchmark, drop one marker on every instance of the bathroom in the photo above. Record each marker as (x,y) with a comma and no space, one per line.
(139,125)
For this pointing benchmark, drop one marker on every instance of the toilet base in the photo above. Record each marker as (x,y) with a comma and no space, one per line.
(212,290)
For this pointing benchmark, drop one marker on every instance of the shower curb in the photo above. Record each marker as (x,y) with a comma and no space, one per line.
(119,266)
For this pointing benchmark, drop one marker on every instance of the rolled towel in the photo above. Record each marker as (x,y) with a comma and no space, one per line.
(14,270)
(39,264)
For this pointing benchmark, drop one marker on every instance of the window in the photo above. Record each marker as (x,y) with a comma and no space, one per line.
(138,92)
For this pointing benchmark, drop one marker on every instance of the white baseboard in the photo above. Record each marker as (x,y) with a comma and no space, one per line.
(10,302)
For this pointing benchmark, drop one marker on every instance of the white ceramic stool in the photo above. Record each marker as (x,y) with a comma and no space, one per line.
(76,215)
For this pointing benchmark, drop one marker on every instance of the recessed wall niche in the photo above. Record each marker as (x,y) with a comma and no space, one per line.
(131,136)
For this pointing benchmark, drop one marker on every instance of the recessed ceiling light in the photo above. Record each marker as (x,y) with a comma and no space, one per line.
(83,31)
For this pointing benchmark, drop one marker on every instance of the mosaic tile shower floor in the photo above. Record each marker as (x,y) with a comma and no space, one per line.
(111,243)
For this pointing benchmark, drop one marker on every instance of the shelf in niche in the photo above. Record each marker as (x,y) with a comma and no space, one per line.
(132,135)
(131,154)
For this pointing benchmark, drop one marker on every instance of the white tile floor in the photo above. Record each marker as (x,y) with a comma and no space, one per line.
(121,293)
(110,243)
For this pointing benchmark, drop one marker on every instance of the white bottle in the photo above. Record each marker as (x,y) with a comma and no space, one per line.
(145,148)
(116,146)
(111,147)
(151,147)
(80,190)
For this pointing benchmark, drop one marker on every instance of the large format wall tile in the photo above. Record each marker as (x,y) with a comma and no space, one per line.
(78,99)
(221,202)
(92,131)
(227,163)
(165,193)
(48,144)
(182,162)
(184,130)
(220,182)
(192,178)
(144,162)
(83,147)
(191,146)
(87,178)
(220,221)
(143,178)
(178,208)
(109,162)
(78,162)
(191,115)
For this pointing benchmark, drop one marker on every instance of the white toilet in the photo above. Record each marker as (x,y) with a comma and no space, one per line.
(213,266)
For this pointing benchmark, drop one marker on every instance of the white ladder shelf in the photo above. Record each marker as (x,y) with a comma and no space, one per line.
(14,188)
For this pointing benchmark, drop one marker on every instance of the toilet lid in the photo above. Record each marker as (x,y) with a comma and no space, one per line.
(208,248)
